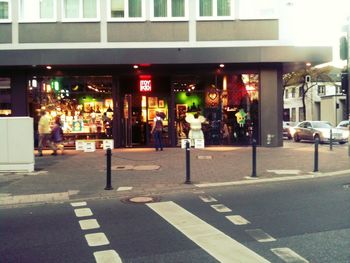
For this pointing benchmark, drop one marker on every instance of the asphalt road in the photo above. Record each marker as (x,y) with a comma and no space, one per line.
(303,221)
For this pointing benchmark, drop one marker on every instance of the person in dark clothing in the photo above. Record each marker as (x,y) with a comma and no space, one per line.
(57,136)
(157,131)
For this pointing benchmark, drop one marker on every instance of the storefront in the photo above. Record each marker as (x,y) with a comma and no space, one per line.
(123,107)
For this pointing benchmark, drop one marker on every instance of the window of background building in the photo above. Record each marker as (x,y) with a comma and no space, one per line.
(301,92)
(85,10)
(126,9)
(257,9)
(37,10)
(286,94)
(170,9)
(293,117)
(216,9)
(321,90)
(5,97)
(301,114)
(4,11)
(293,92)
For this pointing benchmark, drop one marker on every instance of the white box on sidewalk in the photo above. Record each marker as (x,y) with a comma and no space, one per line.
(89,146)
(108,144)
(183,143)
(199,143)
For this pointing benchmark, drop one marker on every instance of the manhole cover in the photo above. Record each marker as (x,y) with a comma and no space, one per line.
(141,199)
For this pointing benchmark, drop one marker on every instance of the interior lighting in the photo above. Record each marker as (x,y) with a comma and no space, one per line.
(48,67)
(222,65)
(308,64)
(136,66)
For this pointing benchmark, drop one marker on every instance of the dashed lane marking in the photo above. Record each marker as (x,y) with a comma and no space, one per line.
(288,255)
(207,198)
(259,235)
(221,208)
(82,212)
(89,224)
(107,256)
(77,204)
(238,220)
(220,246)
(96,239)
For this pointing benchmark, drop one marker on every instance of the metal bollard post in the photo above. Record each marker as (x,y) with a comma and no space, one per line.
(188,172)
(317,141)
(109,180)
(330,140)
(254,158)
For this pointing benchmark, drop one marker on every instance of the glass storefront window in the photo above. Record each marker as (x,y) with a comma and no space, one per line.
(169,9)
(216,8)
(5,97)
(83,9)
(4,10)
(229,104)
(84,104)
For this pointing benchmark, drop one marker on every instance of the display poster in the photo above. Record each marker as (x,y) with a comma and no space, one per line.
(78,126)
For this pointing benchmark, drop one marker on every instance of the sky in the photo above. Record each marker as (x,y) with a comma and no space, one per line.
(319,22)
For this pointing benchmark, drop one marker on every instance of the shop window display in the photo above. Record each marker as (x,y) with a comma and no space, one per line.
(5,97)
(229,104)
(84,105)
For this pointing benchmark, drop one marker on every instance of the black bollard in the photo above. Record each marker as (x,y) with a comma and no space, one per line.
(330,140)
(317,141)
(188,172)
(109,179)
(254,158)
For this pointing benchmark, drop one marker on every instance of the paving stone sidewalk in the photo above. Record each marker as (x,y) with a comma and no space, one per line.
(144,171)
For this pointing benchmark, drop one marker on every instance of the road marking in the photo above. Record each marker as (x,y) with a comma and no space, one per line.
(259,235)
(207,198)
(284,171)
(81,212)
(78,204)
(221,208)
(238,220)
(107,256)
(216,243)
(35,198)
(88,224)
(288,255)
(96,239)
(124,188)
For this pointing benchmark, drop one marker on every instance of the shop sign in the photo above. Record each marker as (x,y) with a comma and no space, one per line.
(145,84)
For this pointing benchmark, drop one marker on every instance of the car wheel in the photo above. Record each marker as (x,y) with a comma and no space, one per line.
(296,137)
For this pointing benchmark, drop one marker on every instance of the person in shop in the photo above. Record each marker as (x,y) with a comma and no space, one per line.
(44,132)
(157,130)
(57,136)
(107,123)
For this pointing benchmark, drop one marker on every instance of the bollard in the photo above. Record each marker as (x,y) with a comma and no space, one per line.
(188,174)
(330,140)
(317,141)
(109,180)
(254,158)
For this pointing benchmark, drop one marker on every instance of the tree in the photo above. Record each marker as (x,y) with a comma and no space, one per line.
(308,78)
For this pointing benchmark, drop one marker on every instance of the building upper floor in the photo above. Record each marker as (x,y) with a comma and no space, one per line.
(234,22)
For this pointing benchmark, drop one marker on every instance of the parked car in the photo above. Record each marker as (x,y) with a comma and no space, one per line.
(310,130)
(287,129)
(344,126)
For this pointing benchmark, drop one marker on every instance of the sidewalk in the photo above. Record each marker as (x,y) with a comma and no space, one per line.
(143,171)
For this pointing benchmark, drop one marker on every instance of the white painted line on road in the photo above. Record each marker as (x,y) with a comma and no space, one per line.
(96,239)
(278,179)
(288,255)
(81,212)
(284,171)
(207,198)
(222,247)
(259,235)
(35,198)
(88,224)
(77,204)
(221,208)
(238,220)
(107,256)
(124,188)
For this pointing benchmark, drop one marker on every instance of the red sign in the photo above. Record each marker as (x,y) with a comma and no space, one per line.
(145,84)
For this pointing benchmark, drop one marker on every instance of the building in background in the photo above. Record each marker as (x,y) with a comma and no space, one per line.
(120,60)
